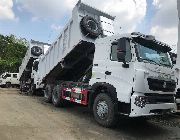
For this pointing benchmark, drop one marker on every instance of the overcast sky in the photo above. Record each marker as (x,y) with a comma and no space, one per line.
(43,20)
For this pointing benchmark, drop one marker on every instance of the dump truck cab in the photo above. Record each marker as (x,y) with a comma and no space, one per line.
(139,68)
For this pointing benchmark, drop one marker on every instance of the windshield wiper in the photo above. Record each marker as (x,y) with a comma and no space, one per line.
(149,60)
(165,65)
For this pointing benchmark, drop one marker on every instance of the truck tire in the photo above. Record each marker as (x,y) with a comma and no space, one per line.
(57,97)
(48,94)
(104,110)
(8,85)
(36,51)
(20,87)
(31,91)
(90,26)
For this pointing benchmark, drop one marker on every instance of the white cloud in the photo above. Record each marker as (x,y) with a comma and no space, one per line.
(167,35)
(157,3)
(128,12)
(56,27)
(6,12)
(44,8)
(70,3)
(165,21)
(34,19)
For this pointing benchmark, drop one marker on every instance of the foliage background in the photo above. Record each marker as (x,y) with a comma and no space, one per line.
(12,51)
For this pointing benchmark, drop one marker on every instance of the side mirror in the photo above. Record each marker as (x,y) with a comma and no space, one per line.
(121,50)
(174,60)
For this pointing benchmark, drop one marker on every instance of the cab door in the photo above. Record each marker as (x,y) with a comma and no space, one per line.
(120,74)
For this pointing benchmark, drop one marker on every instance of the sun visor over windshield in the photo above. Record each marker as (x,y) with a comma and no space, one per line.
(154,44)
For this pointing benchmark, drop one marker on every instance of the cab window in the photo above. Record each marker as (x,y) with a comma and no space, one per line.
(114,49)
(14,75)
(114,52)
(7,75)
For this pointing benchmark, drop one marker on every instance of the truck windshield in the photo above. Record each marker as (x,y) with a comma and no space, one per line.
(152,55)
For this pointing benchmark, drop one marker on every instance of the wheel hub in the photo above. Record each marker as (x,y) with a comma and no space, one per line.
(92,25)
(102,109)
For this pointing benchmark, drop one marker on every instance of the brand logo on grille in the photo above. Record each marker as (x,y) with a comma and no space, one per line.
(164,85)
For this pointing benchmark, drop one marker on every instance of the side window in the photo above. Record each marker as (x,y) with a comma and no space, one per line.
(8,75)
(14,75)
(114,49)
(128,52)
(114,52)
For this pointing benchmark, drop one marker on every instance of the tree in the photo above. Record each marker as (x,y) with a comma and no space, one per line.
(12,51)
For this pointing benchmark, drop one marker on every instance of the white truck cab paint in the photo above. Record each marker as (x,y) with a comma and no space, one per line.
(142,78)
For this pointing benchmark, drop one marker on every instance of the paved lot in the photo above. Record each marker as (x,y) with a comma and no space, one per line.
(29,118)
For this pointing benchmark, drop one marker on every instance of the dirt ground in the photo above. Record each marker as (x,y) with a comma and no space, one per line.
(30,118)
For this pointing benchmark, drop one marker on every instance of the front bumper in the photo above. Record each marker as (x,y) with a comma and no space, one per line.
(144,108)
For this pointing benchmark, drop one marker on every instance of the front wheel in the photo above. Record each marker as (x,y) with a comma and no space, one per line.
(104,110)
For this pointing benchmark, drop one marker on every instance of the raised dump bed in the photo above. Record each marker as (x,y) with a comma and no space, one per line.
(75,43)
(35,50)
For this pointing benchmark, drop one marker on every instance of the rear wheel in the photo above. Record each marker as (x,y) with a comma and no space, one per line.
(8,85)
(48,93)
(31,91)
(104,110)
(57,97)
(20,87)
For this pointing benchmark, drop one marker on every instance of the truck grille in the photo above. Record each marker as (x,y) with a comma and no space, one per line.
(161,85)
(153,98)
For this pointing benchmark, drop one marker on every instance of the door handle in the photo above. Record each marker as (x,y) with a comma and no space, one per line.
(108,73)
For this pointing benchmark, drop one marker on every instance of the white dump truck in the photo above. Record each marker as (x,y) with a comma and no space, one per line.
(9,80)
(129,74)
(35,50)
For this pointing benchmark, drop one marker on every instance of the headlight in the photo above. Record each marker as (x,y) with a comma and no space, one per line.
(140,101)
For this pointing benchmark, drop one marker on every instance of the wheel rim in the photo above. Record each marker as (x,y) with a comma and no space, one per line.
(102,109)
(92,25)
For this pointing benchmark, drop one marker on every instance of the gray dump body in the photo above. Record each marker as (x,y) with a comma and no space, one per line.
(72,37)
